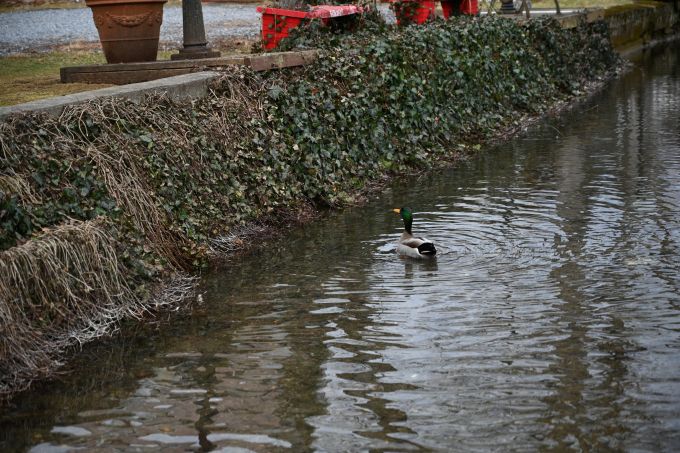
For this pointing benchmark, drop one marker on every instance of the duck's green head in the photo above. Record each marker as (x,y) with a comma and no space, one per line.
(407,217)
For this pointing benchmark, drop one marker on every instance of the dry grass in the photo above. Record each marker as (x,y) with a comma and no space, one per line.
(117,162)
(237,238)
(69,284)
(16,184)
(79,263)
(65,288)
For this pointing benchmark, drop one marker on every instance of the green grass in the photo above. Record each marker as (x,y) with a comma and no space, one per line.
(27,78)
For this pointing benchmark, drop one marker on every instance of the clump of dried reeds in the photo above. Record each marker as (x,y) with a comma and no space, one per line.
(237,238)
(62,288)
(17,184)
(117,159)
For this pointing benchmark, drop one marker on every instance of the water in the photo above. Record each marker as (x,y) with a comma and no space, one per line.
(549,321)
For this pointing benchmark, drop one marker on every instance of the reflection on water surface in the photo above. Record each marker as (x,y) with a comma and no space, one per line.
(550,319)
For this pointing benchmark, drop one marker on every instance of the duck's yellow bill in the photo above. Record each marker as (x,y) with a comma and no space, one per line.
(397,210)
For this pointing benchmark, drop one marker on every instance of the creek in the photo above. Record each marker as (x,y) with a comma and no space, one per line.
(549,320)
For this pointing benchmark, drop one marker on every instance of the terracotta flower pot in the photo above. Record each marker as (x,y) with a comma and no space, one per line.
(128,29)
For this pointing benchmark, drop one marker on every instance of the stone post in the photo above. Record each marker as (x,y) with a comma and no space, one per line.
(195,44)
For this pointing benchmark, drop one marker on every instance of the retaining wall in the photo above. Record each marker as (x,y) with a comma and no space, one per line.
(635,25)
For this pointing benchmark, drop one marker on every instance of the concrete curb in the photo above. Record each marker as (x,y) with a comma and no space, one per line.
(187,86)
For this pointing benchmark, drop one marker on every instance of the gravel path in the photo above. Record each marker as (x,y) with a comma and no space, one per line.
(41,30)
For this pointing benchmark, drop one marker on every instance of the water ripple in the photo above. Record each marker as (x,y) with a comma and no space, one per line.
(549,320)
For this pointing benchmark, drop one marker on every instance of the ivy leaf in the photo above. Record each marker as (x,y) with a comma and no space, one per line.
(275,91)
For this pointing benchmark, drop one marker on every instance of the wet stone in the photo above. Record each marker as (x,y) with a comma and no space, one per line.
(188,391)
(172,355)
(114,422)
(104,413)
(51,448)
(144,391)
(75,431)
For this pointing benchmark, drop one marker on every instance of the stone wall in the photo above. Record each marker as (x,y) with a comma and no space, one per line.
(637,24)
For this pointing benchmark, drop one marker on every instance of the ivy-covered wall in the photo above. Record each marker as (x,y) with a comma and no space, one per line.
(143,192)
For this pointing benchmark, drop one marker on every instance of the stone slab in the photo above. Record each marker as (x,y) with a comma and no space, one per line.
(278,60)
(182,87)
(124,73)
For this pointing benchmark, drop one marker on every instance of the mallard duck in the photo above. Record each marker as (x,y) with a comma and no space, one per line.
(410,245)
